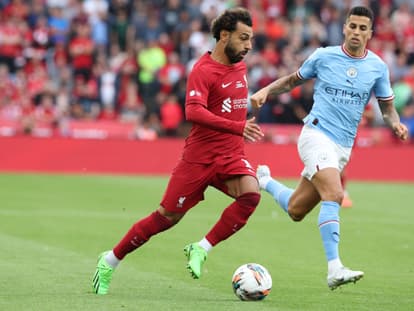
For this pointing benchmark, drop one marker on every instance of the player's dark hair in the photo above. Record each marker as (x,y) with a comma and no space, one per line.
(228,21)
(361,11)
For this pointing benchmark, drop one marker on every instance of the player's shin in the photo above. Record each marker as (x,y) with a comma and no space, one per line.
(328,223)
(280,193)
(234,217)
(141,232)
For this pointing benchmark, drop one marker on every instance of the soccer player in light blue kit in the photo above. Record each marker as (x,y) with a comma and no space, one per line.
(346,76)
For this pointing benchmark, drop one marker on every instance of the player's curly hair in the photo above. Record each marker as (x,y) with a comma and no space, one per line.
(228,21)
(361,11)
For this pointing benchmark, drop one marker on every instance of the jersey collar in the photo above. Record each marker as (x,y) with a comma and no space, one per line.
(356,57)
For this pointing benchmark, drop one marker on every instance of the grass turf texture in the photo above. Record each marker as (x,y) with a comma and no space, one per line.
(52,228)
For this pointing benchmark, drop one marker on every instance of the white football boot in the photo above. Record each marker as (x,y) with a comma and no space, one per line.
(343,276)
(263,175)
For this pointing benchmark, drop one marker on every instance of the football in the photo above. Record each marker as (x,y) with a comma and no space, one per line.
(251,282)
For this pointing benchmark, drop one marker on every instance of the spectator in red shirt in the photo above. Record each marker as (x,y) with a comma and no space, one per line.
(130,103)
(16,8)
(45,112)
(171,73)
(37,77)
(11,42)
(85,94)
(81,49)
(7,89)
(171,114)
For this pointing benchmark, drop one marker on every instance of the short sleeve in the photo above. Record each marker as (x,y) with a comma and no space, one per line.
(382,87)
(308,70)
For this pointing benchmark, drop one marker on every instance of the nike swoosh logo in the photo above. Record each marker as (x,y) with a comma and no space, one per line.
(225,85)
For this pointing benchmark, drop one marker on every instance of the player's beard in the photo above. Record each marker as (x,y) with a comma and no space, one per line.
(232,54)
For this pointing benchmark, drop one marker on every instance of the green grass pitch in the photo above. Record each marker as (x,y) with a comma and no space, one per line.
(52,227)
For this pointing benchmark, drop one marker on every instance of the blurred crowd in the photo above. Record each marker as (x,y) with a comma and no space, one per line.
(127,60)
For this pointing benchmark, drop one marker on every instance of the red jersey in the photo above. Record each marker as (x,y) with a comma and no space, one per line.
(83,58)
(216,103)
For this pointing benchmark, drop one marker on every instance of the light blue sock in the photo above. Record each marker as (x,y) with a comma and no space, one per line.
(280,193)
(328,223)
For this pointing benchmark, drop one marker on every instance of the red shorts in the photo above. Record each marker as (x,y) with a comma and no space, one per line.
(189,181)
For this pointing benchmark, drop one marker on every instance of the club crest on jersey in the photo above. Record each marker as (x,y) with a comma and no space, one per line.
(323,156)
(351,72)
(180,202)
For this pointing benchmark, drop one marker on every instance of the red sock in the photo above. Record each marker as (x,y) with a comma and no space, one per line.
(140,233)
(234,217)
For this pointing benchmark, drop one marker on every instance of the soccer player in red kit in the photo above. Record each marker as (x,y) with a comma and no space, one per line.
(216,104)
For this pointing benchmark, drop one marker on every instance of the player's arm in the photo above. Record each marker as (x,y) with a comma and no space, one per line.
(197,113)
(392,119)
(279,86)
(200,83)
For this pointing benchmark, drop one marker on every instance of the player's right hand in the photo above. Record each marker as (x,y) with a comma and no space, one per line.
(259,98)
(252,131)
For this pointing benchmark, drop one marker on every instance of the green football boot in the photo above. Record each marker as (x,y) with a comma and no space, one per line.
(103,276)
(196,256)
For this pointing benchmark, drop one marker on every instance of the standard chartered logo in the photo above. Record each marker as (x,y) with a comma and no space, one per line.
(226,106)
(229,105)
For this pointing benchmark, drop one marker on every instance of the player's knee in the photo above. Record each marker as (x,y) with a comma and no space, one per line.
(173,217)
(334,196)
(295,214)
(340,196)
(248,201)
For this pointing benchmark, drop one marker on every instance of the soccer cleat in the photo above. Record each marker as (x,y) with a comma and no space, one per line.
(343,276)
(196,256)
(103,276)
(263,175)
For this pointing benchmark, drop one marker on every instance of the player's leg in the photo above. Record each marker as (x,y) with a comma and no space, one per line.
(173,207)
(236,179)
(319,156)
(196,252)
(296,202)
(135,237)
(328,183)
(324,160)
(303,199)
(280,193)
(246,193)
(234,217)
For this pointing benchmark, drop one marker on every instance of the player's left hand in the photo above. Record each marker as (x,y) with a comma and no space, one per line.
(252,131)
(401,131)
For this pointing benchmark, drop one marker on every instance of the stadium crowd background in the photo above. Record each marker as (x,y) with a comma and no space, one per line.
(127,60)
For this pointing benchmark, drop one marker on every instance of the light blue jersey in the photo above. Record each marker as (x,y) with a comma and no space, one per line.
(343,87)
